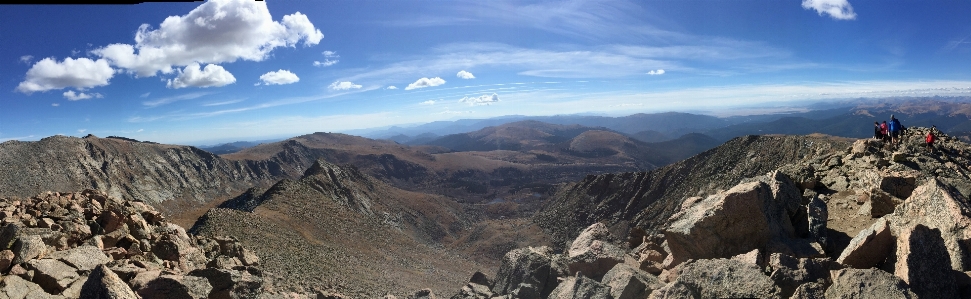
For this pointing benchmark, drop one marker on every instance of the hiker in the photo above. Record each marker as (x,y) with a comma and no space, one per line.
(894,129)
(930,139)
(884,132)
(877,133)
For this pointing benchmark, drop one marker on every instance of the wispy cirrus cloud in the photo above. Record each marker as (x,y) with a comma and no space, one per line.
(222,103)
(183,97)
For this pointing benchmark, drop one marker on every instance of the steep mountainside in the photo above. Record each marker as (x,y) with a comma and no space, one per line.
(155,173)
(646,199)
(337,227)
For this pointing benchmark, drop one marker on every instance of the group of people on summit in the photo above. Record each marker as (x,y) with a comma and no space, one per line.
(892,132)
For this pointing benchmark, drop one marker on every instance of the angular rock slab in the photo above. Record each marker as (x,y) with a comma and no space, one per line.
(627,282)
(176,287)
(923,263)
(870,247)
(526,266)
(104,284)
(868,284)
(722,278)
(723,225)
(580,287)
(82,257)
(936,206)
(52,275)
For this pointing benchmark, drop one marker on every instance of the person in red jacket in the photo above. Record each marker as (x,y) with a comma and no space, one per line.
(930,139)
(884,132)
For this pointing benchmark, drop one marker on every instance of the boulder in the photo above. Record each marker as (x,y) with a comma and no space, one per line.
(82,257)
(789,273)
(923,263)
(142,279)
(878,203)
(867,283)
(6,260)
(580,287)
(723,225)
(176,287)
(723,278)
(15,287)
(811,290)
(230,283)
(938,207)
(817,213)
(424,294)
(102,283)
(527,266)
(28,247)
(754,257)
(52,275)
(9,234)
(480,278)
(650,257)
(869,248)
(627,282)
(473,291)
(592,254)
(674,290)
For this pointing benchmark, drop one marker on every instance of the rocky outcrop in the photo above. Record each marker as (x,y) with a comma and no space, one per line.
(592,255)
(867,283)
(91,245)
(528,272)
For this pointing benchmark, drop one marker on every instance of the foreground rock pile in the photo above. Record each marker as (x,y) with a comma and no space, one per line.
(873,221)
(89,245)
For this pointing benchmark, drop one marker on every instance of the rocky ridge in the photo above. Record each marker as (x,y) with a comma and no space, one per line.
(157,174)
(777,235)
(90,245)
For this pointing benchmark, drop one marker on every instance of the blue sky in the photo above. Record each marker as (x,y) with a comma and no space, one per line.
(216,71)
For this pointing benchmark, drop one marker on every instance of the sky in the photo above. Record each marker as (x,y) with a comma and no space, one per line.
(201,73)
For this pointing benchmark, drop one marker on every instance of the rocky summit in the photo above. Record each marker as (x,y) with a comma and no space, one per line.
(871,220)
(90,245)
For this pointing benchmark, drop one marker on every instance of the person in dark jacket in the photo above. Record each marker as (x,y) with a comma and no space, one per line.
(877,133)
(894,129)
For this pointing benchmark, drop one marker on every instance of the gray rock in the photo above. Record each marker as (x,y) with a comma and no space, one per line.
(723,225)
(923,263)
(580,287)
(724,278)
(82,257)
(28,247)
(869,248)
(674,290)
(938,207)
(867,283)
(789,273)
(627,282)
(818,213)
(424,294)
(532,266)
(473,291)
(104,284)
(230,283)
(15,287)
(592,254)
(9,234)
(52,275)
(176,287)
(810,290)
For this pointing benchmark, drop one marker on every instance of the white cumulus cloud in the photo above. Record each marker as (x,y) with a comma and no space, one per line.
(428,102)
(656,72)
(48,74)
(837,9)
(26,59)
(192,76)
(465,75)
(481,100)
(391,87)
(279,78)
(70,95)
(55,105)
(425,82)
(343,85)
(217,31)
